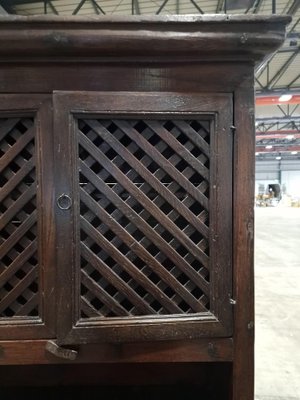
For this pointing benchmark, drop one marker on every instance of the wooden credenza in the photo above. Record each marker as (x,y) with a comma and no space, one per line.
(127,164)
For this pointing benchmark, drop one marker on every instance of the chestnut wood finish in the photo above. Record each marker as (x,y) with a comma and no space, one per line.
(155,177)
(126,173)
(27,232)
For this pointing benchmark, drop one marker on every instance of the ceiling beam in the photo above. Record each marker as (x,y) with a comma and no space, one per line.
(10,3)
(294,7)
(277,134)
(278,91)
(257,6)
(274,100)
(294,80)
(3,11)
(276,120)
(219,6)
(277,149)
(282,70)
(196,5)
(161,7)
(294,26)
(135,7)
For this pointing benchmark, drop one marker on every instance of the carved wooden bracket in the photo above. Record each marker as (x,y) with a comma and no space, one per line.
(61,352)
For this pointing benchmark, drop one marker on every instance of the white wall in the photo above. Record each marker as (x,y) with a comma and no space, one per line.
(291,180)
(265,182)
(286,172)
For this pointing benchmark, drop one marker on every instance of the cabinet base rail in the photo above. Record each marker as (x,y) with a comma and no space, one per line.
(27,352)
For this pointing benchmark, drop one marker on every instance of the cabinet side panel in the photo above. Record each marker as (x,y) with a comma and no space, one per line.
(19,268)
(23,214)
(244,149)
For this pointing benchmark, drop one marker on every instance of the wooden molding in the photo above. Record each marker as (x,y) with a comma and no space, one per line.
(26,352)
(205,37)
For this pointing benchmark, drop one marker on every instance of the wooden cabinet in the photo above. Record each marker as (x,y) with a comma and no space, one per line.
(127,153)
(27,305)
(140,247)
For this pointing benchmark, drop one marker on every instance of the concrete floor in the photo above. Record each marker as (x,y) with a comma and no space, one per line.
(277,270)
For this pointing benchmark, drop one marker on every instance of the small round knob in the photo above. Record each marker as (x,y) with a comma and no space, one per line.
(64,202)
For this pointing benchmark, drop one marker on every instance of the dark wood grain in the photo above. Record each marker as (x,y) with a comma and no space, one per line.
(141,252)
(165,164)
(179,148)
(17,178)
(152,288)
(243,220)
(18,110)
(15,265)
(133,75)
(143,199)
(17,206)
(84,103)
(204,350)
(143,37)
(148,271)
(15,150)
(144,227)
(142,171)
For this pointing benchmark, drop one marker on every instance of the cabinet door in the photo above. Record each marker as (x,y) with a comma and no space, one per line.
(144,216)
(26,218)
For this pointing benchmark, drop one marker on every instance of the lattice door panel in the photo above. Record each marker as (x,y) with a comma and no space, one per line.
(144,217)
(144,229)
(18,219)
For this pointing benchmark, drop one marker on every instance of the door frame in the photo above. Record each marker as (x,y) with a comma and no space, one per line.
(39,107)
(218,323)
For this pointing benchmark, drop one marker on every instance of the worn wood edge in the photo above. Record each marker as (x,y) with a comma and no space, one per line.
(212,38)
(137,19)
(28,352)
(185,77)
(243,236)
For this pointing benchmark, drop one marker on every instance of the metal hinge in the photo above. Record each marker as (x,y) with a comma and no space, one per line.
(61,352)
(232,301)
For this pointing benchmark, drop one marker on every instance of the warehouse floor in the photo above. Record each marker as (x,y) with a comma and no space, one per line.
(277,303)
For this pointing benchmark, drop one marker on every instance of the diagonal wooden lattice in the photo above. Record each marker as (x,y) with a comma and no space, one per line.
(18,219)
(144,214)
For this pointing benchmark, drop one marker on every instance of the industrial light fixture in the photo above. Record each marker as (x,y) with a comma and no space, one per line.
(294,152)
(290,137)
(256,154)
(285,97)
(278,158)
(269,146)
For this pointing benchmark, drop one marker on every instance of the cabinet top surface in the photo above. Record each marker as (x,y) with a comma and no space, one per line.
(148,19)
(201,37)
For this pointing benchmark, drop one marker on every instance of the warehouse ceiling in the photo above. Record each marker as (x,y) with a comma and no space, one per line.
(277,79)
